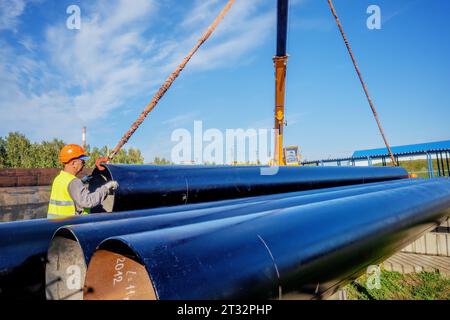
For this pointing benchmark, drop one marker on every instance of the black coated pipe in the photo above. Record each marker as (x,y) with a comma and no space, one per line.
(306,251)
(74,245)
(143,187)
(24,244)
(282,23)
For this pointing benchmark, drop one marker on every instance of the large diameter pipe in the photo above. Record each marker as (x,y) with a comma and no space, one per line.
(24,244)
(74,245)
(143,187)
(305,251)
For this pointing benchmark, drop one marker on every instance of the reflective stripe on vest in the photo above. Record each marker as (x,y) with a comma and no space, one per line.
(61,203)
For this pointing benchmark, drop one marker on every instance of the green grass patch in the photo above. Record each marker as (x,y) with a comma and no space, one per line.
(397,286)
(420,167)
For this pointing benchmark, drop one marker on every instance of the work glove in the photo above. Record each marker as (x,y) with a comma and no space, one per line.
(99,163)
(86,179)
(112,185)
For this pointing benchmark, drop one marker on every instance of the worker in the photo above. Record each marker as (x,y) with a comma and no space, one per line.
(69,195)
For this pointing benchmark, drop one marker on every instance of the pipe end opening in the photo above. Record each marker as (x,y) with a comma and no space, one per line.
(116,273)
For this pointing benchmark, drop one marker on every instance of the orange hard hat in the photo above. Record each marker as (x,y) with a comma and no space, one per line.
(72,151)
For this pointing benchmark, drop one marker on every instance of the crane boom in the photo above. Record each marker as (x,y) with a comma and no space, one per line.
(280,63)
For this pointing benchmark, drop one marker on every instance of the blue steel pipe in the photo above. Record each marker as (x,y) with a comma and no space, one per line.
(89,235)
(24,244)
(75,244)
(143,187)
(303,251)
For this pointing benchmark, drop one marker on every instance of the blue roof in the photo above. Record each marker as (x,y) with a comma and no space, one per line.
(408,149)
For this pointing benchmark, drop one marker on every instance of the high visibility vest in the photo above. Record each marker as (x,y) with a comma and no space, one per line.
(61,204)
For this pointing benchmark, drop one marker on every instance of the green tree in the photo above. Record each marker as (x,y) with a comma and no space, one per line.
(130,156)
(135,156)
(46,154)
(94,154)
(18,151)
(161,161)
(121,157)
(2,152)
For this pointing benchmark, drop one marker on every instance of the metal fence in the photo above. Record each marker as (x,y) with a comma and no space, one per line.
(437,162)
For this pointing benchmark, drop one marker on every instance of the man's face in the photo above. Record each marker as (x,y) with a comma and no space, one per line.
(78,165)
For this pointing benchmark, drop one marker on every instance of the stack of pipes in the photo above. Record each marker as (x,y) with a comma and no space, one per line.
(301,233)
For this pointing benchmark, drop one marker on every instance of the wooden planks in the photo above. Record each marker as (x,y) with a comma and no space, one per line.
(432,243)
(411,262)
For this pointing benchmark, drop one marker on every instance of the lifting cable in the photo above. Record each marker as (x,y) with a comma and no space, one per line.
(338,22)
(162,90)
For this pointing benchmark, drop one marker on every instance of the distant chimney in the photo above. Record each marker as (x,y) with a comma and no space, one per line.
(83,137)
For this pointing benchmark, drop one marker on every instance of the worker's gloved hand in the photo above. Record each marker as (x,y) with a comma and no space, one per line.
(99,161)
(112,185)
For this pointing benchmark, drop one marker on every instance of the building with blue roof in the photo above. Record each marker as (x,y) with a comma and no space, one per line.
(438,150)
(411,149)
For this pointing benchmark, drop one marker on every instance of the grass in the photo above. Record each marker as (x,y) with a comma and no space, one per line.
(420,167)
(397,286)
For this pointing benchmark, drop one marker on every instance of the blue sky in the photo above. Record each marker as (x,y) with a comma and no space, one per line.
(53,80)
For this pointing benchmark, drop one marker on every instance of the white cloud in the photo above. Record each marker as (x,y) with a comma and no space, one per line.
(247,25)
(82,76)
(10,11)
(296,117)
(200,13)
(391,15)
(185,119)
(253,33)
(27,43)
(97,62)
